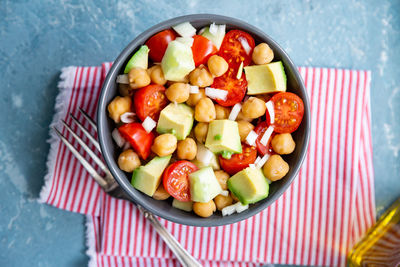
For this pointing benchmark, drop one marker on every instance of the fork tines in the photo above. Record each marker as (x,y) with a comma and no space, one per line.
(107,182)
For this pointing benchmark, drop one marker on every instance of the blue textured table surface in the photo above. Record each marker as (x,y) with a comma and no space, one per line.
(38,38)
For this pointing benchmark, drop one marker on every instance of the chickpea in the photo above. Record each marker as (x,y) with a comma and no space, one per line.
(222,178)
(201,77)
(262,54)
(195,98)
(187,149)
(204,209)
(119,106)
(205,110)
(221,112)
(253,108)
(200,131)
(241,117)
(245,128)
(138,78)
(161,193)
(275,168)
(217,65)
(164,145)
(222,201)
(178,92)
(283,143)
(128,160)
(156,75)
(124,89)
(235,199)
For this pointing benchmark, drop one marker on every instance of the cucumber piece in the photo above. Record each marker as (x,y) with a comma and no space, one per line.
(139,60)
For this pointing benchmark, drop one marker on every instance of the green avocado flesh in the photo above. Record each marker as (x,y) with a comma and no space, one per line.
(249,185)
(229,138)
(204,186)
(139,60)
(176,119)
(186,206)
(267,78)
(148,177)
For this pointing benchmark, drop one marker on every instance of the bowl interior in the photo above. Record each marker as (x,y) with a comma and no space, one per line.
(164,208)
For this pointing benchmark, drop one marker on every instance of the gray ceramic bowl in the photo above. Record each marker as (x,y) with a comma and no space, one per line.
(164,208)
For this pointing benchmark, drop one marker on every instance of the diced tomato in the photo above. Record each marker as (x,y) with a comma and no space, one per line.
(236,87)
(149,101)
(289,111)
(137,136)
(202,49)
(240,161)
(158,43)
(233,51)
(176,179)
(260,130)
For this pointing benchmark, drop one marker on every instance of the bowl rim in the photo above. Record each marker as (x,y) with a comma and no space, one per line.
(102,119)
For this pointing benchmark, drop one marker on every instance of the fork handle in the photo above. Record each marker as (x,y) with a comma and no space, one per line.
(183,256)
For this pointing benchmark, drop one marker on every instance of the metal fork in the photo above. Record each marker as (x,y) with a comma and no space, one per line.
(109,184)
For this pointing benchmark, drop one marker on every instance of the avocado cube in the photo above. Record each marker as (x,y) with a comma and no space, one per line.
(223,135)
(147,178)
(204,186)
(177,61)
(186,206)
(249,185)
(267,78)
(176,119)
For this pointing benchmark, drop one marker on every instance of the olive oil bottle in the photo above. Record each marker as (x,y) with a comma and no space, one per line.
(381,245)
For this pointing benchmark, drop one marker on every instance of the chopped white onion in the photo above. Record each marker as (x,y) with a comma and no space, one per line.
(149,124)
(126,146)
(123,78)
(228,210)
(214,93)
(128,117)
(194,89)
(240,207)
(185,29)
(245,45)
(224,193)
(257,160)
(235,111)
(185,40)
(251,138)
(175,104)
(119,140)
(266,136)
(213,29)
(271,111)
(262,161)
(253,166)
(240,71)
(204,155)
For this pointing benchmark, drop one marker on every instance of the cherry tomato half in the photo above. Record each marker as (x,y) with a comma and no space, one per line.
(137,136)
(158,43)
(202,49)
(289,111)
(149,101)
(233,51)
(236,87)
(260,130)
(240,161)
(176,180)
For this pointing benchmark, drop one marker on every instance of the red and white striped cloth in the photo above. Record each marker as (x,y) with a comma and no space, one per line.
(328,207)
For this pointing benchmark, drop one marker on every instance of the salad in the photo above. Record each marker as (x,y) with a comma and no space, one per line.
(203,117)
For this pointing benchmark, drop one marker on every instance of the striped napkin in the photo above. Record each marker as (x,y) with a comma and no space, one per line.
(328,207)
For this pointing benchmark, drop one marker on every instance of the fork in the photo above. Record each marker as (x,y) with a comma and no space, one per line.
(110,185)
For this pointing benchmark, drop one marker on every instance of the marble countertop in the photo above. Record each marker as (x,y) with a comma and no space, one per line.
(38,38)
